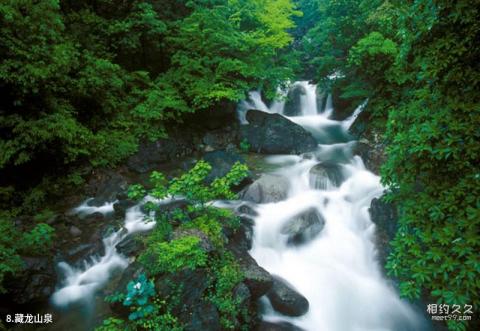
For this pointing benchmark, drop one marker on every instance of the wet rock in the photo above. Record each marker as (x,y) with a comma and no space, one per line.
(246,209)
(241,294)
(372,153)
(274,134)
(220,139)
(34,283)
(202,317)
(130,246)
(257,279)
(95,217)
(74,231)
(221,162)
(384,215)
(120,286)
(277,326)
(268,188)
(325,174)
(152,154)
(104,186)
(243,236)
(293,103)
(303,227)
(285,299)
(121,207)
(189,288)
(80,252)
(205,242)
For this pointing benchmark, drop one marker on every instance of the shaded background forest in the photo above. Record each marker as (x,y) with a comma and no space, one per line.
(83,82)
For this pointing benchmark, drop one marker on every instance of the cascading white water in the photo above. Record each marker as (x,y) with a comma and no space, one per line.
(81,283)
(337,271)
(308,100)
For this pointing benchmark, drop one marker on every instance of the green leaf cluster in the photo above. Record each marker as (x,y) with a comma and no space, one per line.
(417,62)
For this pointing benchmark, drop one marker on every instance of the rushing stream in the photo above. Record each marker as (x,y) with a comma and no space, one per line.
(337,269)
(334,266)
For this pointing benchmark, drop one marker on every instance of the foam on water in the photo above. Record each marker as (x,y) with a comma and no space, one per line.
(79,284)
(337,271)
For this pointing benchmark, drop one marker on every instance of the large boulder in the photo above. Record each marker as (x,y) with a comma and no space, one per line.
(257,279)
(285,299)
(268,188)
(274,134)
(303,227)
(325,175)
(152,154)
(221,162)
(190,287)
(220,139)
(104,186)
(372,153)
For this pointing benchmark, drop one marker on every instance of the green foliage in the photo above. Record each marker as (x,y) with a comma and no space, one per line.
(227,275)
(148,311)
(184,252)
(113,324)
(417,61)
(244,146)
(162,254)
(83,82)
(39,239)
(139,293)
(13,243)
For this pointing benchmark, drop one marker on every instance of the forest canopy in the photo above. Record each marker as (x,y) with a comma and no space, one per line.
(84,82)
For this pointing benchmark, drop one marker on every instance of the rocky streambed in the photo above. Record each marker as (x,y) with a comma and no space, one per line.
(81,233)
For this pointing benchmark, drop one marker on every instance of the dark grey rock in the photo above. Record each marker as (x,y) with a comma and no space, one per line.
(257,279)
(205,242)
(121,207)
(190,288)
(243,236)
(293,104)
(34,283)
(287,300)
(221,162)
(385,217)
(104,186)
(74,231)
(268,188)
(152,154)
(325,174)
(274,134)
(201,317)
(303,227)
(130,246)
(95,217)
(246,209)
(372,153)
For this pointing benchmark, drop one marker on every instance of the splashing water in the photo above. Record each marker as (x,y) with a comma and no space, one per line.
(337,271)
(81,283)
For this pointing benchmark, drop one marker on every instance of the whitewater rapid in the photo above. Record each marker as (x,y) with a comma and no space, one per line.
(338,270)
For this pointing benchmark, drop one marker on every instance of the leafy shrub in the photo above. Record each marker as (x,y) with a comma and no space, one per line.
(184,252)
(139,293)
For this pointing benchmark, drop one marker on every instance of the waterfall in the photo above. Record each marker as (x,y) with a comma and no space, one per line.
(309,99)
(79,284)
(337,270)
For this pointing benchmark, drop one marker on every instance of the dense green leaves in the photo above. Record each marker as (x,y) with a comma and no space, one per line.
(417,61)
(185,239)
